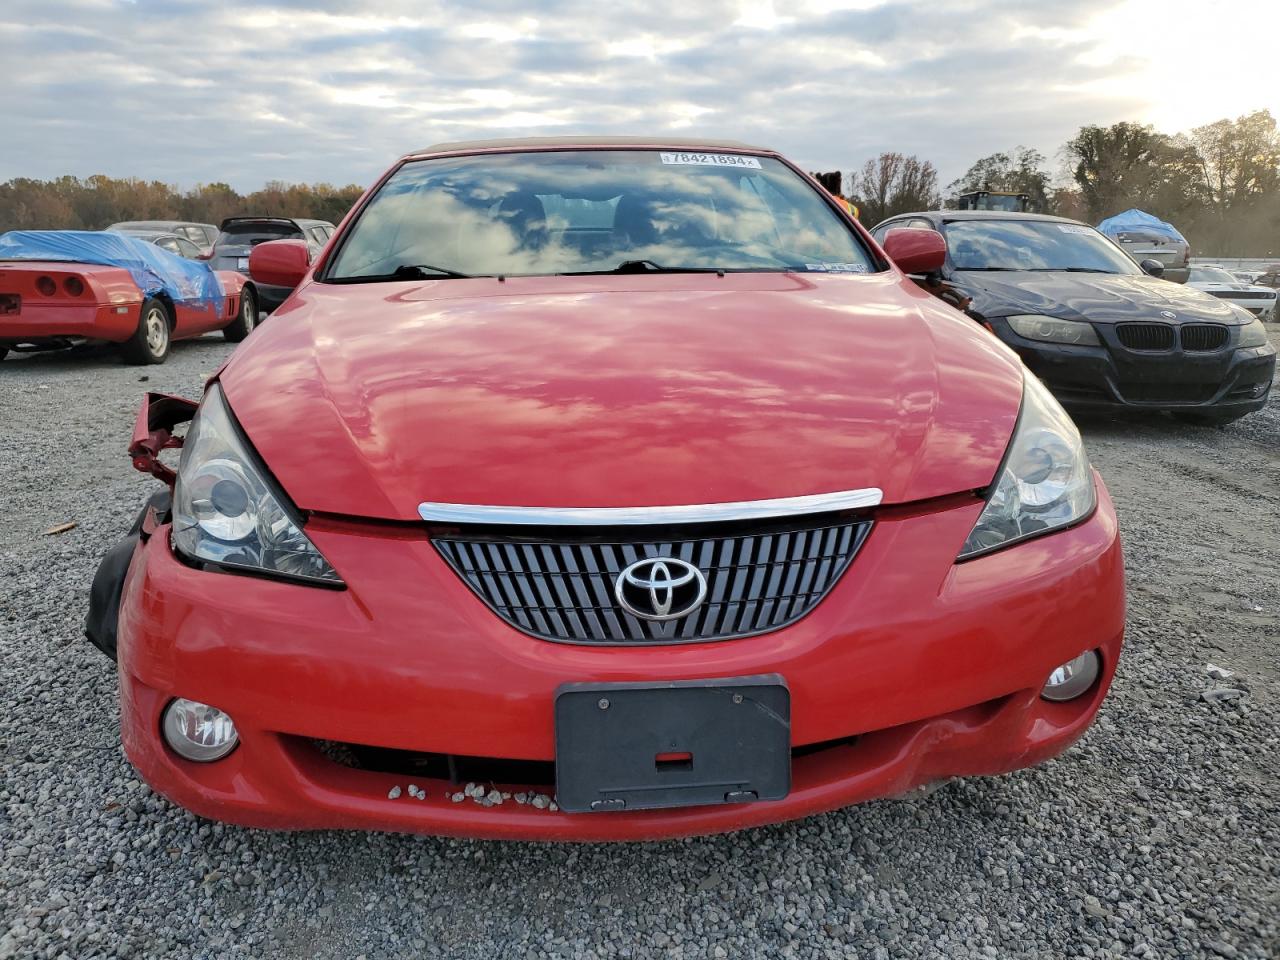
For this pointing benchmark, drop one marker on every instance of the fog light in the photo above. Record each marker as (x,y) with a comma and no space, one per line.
(198,731)
(1072,678)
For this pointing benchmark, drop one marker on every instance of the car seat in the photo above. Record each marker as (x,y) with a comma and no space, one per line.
(527,219)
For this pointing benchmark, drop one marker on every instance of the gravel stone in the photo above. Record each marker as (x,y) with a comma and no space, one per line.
(1157,835)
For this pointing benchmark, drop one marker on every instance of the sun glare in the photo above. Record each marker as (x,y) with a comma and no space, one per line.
(1193,62)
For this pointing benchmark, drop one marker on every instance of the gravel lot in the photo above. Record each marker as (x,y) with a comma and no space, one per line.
(1158,835)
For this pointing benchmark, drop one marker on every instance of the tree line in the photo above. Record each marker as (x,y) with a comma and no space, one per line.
(1218,184)
(70,203)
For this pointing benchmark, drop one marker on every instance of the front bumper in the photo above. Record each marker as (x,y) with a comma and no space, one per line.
(1111,376)
(912,669)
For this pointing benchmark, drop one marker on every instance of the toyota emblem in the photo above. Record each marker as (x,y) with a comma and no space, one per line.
(660,589)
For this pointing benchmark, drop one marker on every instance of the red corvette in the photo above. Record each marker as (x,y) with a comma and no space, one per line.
(605,489)
(59,288)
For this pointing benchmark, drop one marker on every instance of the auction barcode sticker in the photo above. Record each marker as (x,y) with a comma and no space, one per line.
(1075,228)
(711,160)
(837,268)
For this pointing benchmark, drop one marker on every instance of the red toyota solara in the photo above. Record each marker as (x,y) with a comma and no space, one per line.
(605,489)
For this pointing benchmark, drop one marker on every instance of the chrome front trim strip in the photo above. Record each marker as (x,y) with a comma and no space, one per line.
(624,516)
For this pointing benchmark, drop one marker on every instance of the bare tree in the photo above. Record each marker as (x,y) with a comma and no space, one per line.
(893,183)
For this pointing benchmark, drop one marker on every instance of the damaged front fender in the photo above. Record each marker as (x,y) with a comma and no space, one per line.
(153,433)
(108,583)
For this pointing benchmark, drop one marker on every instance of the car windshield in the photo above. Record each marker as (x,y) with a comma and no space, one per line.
(595,211)
(1211,275)
(1033,245)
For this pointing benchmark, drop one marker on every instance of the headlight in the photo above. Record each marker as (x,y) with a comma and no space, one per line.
(1045,482)
(1053,330)
(1253,334)
(227,511)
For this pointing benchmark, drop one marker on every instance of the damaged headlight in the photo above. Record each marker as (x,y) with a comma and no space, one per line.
(1045,482)
(226,510)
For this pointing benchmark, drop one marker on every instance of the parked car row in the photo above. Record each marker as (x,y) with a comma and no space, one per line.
(61,288)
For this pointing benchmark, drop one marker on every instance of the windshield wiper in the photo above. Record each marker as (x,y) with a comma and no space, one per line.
(643,266)
(1070,270)
(406,271)
(990,269)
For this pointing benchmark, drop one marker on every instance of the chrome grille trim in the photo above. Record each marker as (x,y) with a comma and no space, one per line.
(561,589)
(451,513)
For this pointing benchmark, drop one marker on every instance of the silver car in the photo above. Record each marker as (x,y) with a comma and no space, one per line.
(201,234)
(1173,255)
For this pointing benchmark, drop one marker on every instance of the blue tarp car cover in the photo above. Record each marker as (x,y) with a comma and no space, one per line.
(154,270)
(1135,220)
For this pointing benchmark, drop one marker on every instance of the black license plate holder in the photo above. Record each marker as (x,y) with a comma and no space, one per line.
(646,746)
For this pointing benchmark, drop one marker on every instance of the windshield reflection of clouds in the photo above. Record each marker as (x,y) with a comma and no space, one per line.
(1031,245)
(589,211)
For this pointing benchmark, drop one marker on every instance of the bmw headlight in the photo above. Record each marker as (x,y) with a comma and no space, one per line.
(1053,330)
(227,511)
(1253,334)
(1045,482)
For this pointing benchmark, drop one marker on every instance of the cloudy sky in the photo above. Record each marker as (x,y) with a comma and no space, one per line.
(243,92)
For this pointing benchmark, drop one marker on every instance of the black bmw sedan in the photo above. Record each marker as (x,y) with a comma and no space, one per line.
(1099,329)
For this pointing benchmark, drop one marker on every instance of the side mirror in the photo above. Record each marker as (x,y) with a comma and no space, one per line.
(280,263)
(916,250)
(1152,268)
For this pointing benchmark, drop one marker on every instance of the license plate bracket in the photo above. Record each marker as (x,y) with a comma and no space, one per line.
(645,746)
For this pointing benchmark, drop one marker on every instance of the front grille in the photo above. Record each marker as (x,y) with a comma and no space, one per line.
(564,589)
(489,771)
(1145,336)
(453,768)
(1204,336)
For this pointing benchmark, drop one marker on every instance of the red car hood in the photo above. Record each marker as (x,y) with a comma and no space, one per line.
(367,400)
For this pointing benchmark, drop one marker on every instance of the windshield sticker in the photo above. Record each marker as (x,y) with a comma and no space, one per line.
(710,160)
(1074,228)
(836,267)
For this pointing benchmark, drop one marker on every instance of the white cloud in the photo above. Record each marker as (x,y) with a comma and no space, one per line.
(322,90)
